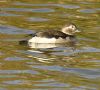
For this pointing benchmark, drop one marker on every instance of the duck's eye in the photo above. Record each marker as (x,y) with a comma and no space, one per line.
(73,26)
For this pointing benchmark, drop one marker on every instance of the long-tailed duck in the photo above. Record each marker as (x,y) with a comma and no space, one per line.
(67,34)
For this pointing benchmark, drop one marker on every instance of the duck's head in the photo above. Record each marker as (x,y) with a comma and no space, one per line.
(70,29)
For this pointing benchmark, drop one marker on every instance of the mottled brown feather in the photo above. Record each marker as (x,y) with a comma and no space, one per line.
(50,34)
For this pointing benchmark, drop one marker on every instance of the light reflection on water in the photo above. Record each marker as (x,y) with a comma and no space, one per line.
(49,67)
(70,6)
(43,10)
(13,30)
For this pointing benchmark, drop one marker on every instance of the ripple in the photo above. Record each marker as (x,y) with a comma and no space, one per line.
(55,84)
(83,88)
(58,5)
(29,4)
(9,76)
(18,72)
(67,6)
(88,11)
(16,82)
(84,2)
(9,14)
(87,49)
(87,73)
(37,19)
(40,10)
(15,58)
(94,61)
(13,30)
(52,68)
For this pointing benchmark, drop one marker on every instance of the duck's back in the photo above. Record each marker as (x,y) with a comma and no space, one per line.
(51,34)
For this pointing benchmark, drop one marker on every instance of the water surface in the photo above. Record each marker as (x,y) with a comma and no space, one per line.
(49,67)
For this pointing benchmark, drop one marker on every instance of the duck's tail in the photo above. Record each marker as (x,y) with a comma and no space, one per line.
(23,42)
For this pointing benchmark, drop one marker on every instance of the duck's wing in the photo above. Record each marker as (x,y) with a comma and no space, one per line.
(51,34)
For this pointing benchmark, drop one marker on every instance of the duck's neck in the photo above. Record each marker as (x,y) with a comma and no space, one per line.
(68,32)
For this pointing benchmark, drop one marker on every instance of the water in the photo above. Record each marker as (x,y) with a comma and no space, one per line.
(55,67)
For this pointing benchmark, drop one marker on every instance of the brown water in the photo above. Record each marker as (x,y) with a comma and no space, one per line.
(58,68)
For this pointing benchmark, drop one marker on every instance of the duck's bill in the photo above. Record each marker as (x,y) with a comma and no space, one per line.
(77,30)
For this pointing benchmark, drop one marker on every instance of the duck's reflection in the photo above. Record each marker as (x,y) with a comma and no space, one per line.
(50,52)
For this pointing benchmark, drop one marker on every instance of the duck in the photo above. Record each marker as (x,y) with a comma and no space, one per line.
(65,35)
